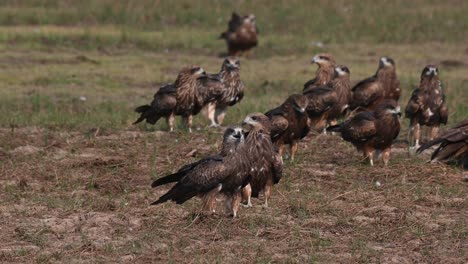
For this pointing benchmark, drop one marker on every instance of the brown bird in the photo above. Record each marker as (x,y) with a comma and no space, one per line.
(222,173)
(191,91)
(369,131)
(368,93)
(266,166)
(232,93)
(289,123)
(453,145)
(427,106)
(242,34)
(342,86)
(320,101)
(325,71)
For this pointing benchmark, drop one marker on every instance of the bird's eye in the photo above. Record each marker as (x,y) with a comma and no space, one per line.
(254,118)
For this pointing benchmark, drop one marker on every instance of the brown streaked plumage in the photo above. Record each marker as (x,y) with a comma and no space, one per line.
(163,105)
(325,71)
(453,145)
(242,34)
(342,86)
(370,131)
(225,173)
(191,91)
(368,93)
(320,101)
(427,106)
(266,163)
(195,90)
(232,93)
(289,123)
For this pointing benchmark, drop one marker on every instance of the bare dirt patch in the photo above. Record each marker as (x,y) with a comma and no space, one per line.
(81,196)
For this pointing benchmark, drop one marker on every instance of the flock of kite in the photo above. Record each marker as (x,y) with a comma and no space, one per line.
(250,161)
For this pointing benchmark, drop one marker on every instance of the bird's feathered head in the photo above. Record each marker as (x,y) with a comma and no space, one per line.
(389,106)
(233,135)
(386,62)
(250,18)
(430,70)
(256,122)
(188,74)
(231,63)
(322,59)
(299,102)
(341,70)
(232,138)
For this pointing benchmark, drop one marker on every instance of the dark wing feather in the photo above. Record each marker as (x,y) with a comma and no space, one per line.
(277,167)
(455,135)
(366,93)
(414,103)
(450,150)
(364,83)
(184,171)
(201,179)
(321,99)
(443,112)
(360,128)
(310,84)
(211,87)
(279,124)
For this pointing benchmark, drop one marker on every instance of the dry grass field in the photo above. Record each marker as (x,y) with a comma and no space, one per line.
(75,174)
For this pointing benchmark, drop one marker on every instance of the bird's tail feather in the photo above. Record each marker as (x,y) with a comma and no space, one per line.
(429,144)
(142,108)
(167,179)
(178,193)
(148,113)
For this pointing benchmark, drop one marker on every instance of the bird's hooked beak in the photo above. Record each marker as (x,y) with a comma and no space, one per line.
(201,71)
(248,124)
(338,71)
(315,59)
(232,65)
(239,134)
(300,109)
(384,62)
(396,111)
(432,71)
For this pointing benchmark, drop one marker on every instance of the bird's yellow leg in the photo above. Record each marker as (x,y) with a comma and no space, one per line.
(246,196)
(220,115)
(267,193)
(294,146)
(171,122)
(189,123)
(236,198)
(434,132)
(386,155)
(211,114)
(369,154)
(281,149)
(417,135)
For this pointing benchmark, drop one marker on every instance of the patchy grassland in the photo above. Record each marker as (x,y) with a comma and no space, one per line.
(74,175)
